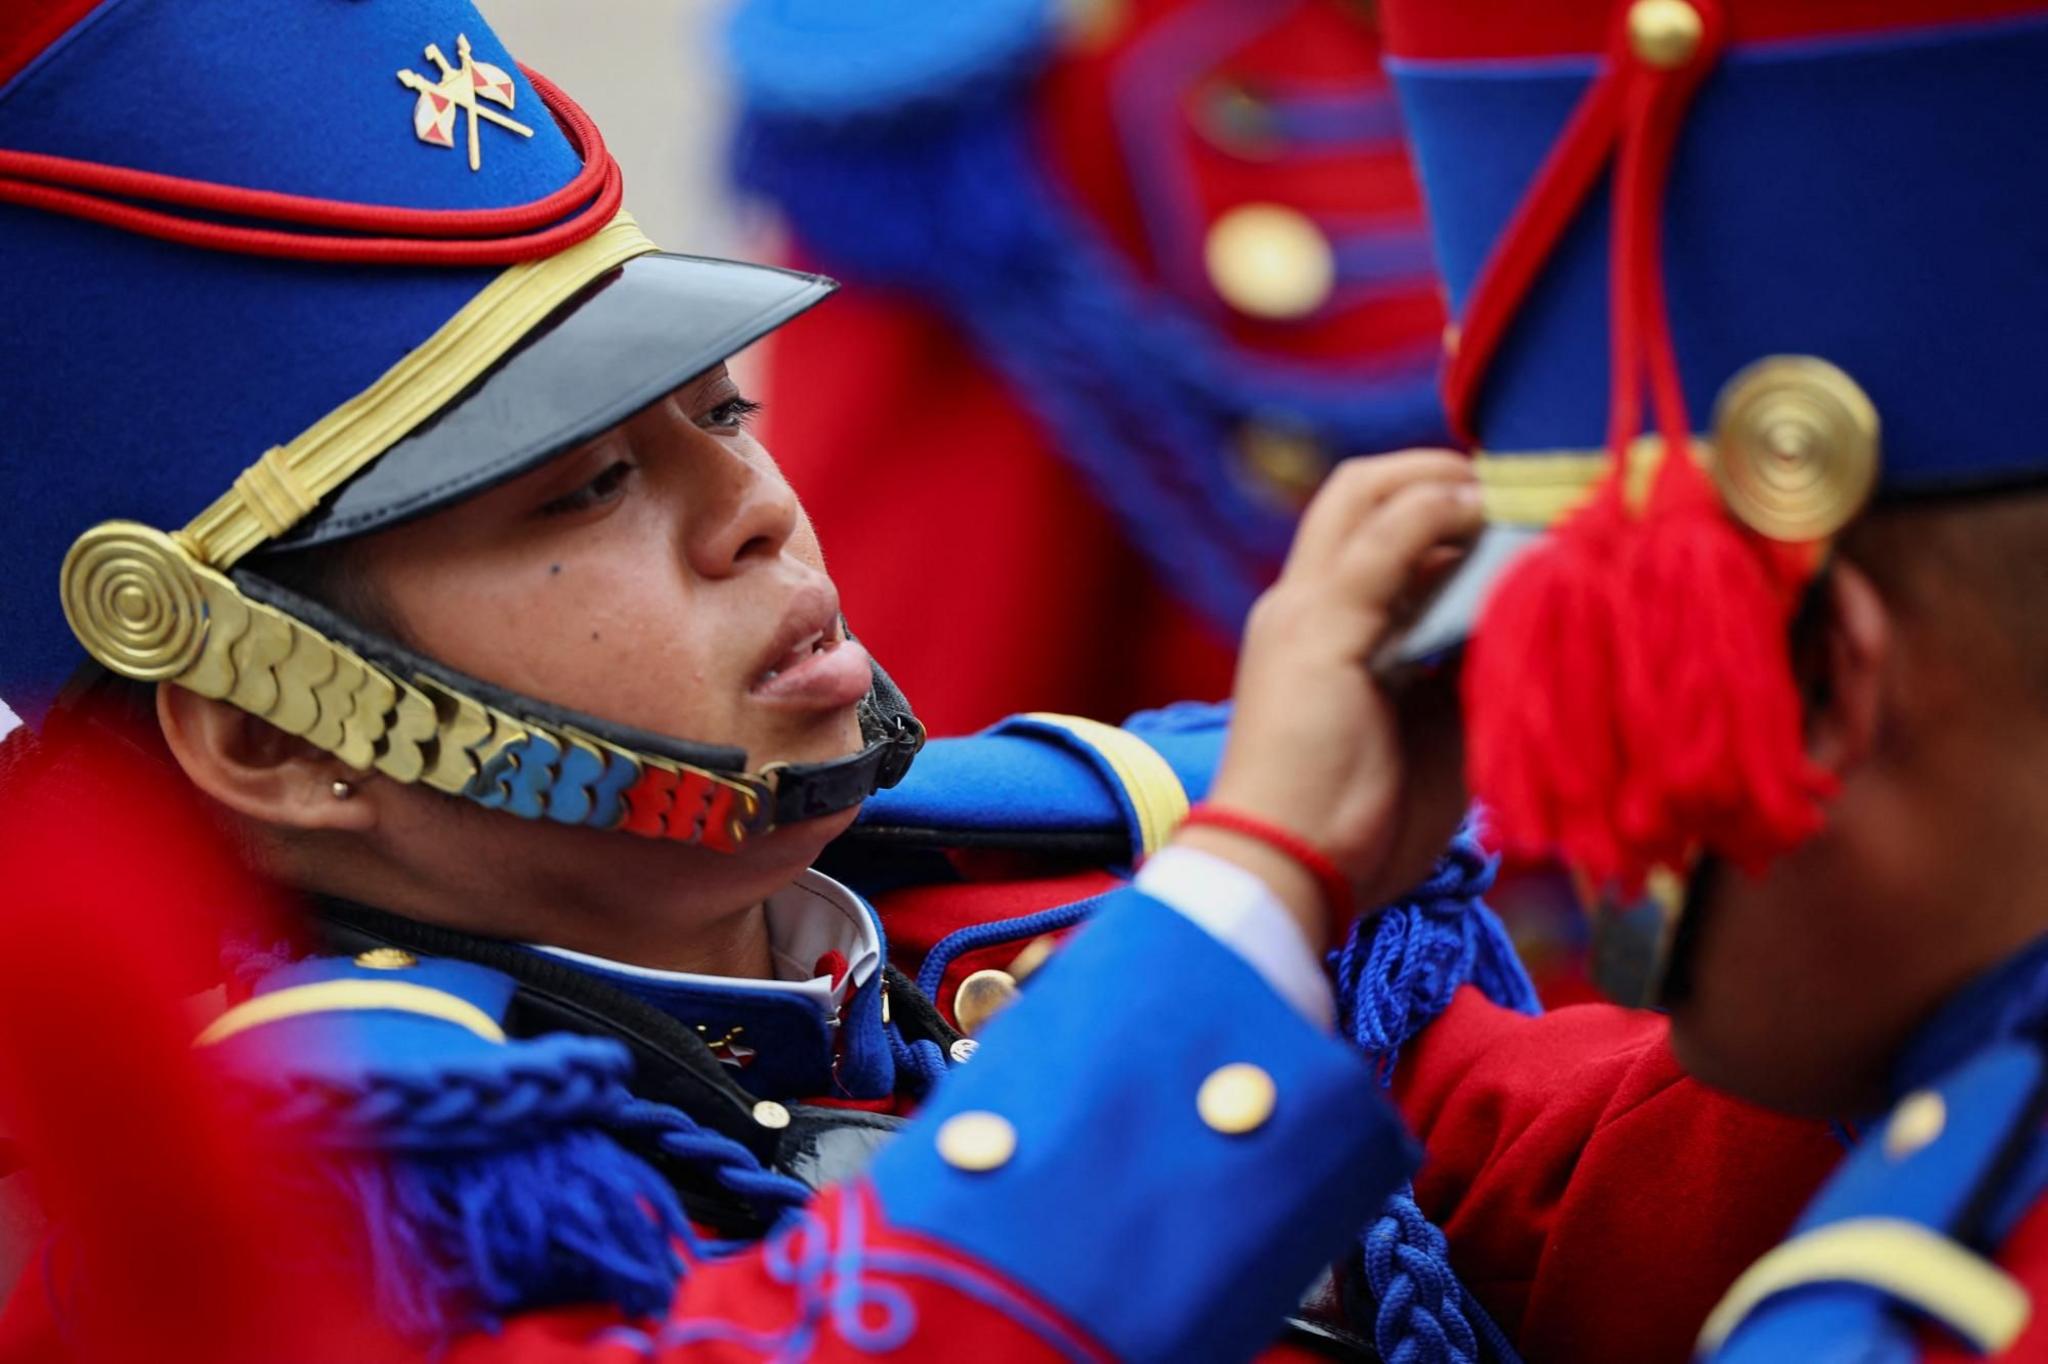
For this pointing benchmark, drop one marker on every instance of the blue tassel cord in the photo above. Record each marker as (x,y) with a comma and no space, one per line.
(949,201)
(1394,975)
(480,1189)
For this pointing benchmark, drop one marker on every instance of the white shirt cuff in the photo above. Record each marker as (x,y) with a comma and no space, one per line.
(1238,910)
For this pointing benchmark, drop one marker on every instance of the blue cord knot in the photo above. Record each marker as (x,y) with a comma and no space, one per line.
(1395,974)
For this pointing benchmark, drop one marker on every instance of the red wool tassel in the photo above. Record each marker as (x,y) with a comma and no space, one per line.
(1711,714)
(1543,747)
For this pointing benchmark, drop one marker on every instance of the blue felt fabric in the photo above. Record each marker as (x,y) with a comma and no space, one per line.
(1018,777)
(1175,1285)
(140,377)
(1850,199)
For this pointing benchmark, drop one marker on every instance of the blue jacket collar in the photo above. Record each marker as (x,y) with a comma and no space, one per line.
(801,1035)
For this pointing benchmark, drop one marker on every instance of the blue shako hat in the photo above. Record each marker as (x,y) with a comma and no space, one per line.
(318,269)
(1799,241)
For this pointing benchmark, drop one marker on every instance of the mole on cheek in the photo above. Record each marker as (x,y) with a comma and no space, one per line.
(554,569)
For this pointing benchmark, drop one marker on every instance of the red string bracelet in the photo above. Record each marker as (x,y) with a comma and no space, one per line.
(1335,886)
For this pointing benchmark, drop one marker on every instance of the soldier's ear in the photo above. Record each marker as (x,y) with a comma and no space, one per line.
(1851,670)
(257,770)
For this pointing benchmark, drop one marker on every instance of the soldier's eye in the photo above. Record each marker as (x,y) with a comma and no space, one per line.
(732,414)
(604,488)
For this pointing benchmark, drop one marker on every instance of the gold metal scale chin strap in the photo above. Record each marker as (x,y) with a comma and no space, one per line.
(156,606)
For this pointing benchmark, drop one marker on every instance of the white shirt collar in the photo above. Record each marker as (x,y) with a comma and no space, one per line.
(813,915)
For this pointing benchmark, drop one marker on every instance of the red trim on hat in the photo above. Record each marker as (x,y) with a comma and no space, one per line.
(1490,30)
(400,236)
(26,29)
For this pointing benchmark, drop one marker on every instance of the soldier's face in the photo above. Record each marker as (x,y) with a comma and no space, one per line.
(662,575)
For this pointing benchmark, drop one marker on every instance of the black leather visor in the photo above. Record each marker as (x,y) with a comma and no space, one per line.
(627,340)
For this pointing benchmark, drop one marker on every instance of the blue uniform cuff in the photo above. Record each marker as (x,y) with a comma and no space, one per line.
(1153,1142)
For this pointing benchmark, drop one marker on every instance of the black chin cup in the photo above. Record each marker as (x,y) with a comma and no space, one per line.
(785,793)
(1635,940)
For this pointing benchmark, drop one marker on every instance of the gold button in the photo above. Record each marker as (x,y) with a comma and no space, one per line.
(1237,1098)
(1664,33)
(981,997)
(976,1141)
(1266,260)
(1915,1123)
(771,1115)
(386,959)
(1035,954)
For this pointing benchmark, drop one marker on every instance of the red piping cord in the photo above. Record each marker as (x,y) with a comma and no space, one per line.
(498,236)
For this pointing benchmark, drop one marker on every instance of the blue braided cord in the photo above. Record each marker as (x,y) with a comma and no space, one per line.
(772,1195)
(1142,394)
(1421,1316)
(543,1085)
(954,945)
(919,1065)
(1394,974)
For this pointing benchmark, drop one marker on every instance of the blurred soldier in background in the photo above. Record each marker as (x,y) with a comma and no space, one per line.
(1130,276)
(1749,297)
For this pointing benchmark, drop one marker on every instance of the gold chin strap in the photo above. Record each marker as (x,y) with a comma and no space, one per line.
(144,609)
(275,493)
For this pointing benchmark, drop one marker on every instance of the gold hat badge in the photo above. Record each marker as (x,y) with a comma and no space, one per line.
(460,88)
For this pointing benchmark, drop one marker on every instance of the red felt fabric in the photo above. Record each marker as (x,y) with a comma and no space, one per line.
(918,917)
(29,26)
(1597,1200)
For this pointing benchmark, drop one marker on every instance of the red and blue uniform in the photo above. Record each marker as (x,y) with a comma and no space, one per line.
(1800,242)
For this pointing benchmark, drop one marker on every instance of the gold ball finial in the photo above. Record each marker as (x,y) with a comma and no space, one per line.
(1664,33)
(1795,447)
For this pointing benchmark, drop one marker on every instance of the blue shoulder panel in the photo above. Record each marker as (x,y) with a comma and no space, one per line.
(1174,1204)
(1894,1239)
(1040,773)
(482,1168)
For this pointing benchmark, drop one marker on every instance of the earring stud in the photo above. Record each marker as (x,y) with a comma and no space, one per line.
(342,790)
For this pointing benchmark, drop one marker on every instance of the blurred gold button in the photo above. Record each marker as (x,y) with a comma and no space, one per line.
(1664,33)
(1237,1098)
(1035,954)
(386,959)
(976,1141)
(981,997)
(1915,1123)
(1267,260)
(771,1114)
(1285,466)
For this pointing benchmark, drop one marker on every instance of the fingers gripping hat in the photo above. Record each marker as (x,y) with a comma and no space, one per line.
(1756,232)
(282,272)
